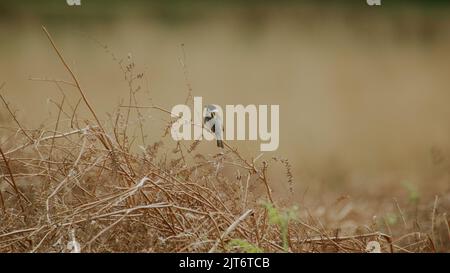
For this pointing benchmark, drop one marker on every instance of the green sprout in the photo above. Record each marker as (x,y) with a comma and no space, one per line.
(281,219)
(245,246)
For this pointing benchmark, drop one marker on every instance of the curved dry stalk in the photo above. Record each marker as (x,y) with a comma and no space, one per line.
(74,78)
(230,229)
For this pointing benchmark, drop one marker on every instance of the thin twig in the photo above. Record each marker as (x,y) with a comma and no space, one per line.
(230,229)
(14,117)
(13,181)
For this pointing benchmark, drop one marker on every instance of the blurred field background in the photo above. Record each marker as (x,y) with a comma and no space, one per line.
(363,91)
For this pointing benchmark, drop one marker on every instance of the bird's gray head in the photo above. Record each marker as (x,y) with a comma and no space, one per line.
(210,110)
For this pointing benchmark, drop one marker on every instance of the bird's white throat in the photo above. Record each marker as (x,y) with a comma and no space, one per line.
(257,117)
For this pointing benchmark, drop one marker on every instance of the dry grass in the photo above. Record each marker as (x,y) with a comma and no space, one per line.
(85,189)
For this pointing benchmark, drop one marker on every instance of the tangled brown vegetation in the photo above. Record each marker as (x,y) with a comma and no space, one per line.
(85,189)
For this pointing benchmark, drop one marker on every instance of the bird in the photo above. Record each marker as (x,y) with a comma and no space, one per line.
(213,121)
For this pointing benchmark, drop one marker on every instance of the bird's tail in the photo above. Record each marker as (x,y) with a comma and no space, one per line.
(219,143)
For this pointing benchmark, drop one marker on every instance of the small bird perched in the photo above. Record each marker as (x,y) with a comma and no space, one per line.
(213,121)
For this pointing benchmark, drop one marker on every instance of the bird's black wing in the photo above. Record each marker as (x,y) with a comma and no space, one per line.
(207,119)
(213,128)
